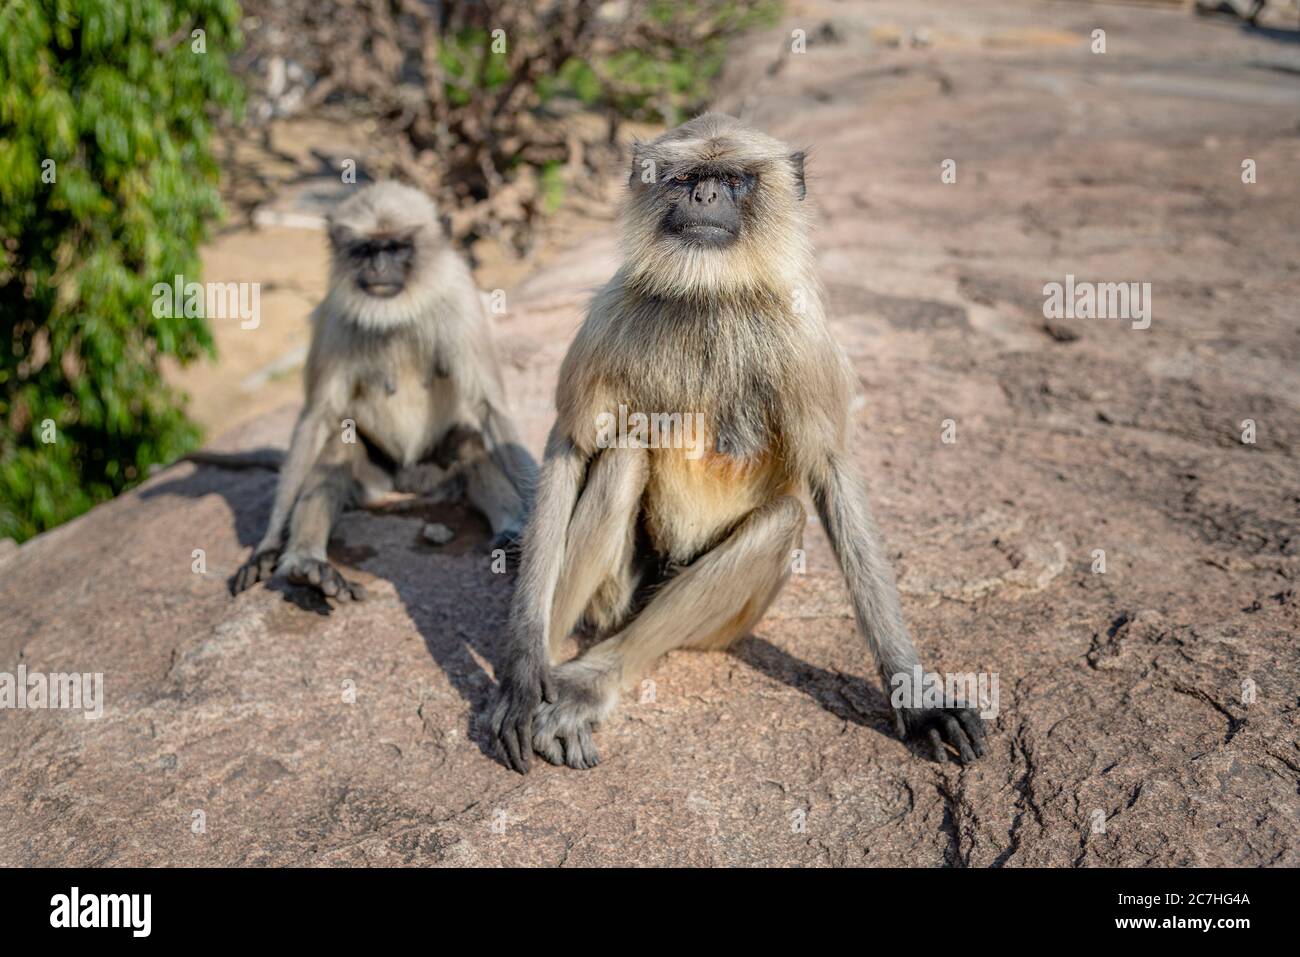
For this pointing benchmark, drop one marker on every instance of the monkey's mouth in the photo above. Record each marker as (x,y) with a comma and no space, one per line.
(706,234)
(381,290)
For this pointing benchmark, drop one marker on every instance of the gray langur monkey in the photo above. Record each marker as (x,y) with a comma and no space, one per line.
(403,392)
(716,309)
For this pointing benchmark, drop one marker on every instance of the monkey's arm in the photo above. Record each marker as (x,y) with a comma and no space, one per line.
(485,391)
(309,437)
(841,502)
(525,672)
(508,451)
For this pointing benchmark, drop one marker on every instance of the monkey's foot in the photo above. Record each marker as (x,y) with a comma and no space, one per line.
(562,728)
(511,539)
(259,568)
(322,576)
(959,728)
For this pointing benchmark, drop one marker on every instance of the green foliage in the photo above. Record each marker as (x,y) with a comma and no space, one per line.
(668,76)
(552,182)
(111,100)
(468,63)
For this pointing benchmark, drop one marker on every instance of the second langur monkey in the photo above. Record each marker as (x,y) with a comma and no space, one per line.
(715,310)
(403,392)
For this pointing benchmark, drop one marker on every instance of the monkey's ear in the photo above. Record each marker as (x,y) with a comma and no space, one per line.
(639,169)
(796,160)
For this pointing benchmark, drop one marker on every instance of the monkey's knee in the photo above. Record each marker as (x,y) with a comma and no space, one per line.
(462,444)
(761,557)
(786,517)
(617,478)
(613,601)
(598,581)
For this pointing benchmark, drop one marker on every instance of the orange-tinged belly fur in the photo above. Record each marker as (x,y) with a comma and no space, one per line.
(690,504)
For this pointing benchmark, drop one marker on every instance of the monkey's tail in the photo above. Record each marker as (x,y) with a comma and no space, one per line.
(263,458)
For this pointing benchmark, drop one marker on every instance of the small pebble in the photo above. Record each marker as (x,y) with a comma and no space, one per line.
(438,533)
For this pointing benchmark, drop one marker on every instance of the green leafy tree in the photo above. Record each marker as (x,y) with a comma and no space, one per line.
(106,184)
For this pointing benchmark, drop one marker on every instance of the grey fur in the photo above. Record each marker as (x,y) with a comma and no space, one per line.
(410,370)
(654,551)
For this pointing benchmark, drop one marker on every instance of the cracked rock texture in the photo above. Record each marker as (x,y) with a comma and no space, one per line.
(1147,712)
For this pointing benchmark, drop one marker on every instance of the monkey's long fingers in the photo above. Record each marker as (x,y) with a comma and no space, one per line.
(589,753)
(974,728)
(953,733)
(548,687)
(336,586)
(521,748)
(244,578)
(936,745)
(258,568)
(549,748)
(573,753)
(329,584)
(502,730)
(517,736)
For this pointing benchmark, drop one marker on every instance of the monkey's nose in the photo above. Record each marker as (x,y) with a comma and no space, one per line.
(705,193)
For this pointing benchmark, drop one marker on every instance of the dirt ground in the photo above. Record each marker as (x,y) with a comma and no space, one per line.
(1147,712)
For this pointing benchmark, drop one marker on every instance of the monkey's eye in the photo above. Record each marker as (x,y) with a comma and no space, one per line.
(682,178)
(734,181)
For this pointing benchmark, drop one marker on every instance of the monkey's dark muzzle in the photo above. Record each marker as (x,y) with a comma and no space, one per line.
(381,290)
(706,234)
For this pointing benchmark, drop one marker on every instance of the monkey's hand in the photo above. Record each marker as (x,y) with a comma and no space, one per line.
(959,728)
(320,575)
(259,568)
(525,682)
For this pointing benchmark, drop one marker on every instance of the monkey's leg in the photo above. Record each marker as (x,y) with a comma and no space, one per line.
(708,605)
(331,486)
(600,542)
(464,455)
(309,438)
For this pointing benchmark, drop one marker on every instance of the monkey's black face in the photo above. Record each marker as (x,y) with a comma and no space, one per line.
(706,207)
(382,265)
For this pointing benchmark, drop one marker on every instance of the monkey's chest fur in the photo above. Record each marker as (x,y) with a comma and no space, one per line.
(404,408)
(690,504)
(730,376)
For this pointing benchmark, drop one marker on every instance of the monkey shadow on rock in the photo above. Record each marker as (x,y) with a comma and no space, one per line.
(851,698)
(248,494)
(449,593)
